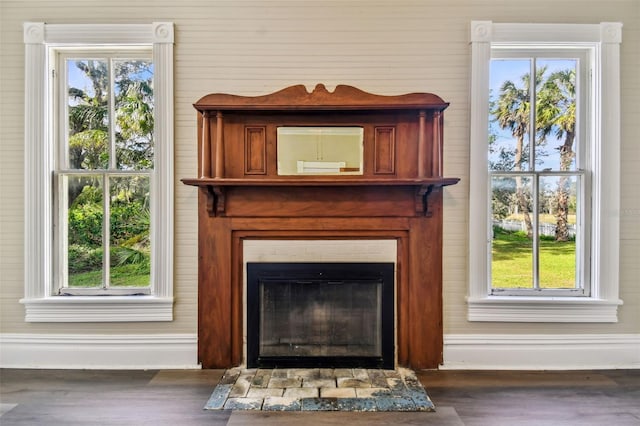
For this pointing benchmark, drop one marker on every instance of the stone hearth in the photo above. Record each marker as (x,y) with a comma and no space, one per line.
(319,389)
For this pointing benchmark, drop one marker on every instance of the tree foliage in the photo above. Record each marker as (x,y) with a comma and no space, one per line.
(92,139)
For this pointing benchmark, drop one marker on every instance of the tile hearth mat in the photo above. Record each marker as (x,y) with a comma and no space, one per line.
(319,389)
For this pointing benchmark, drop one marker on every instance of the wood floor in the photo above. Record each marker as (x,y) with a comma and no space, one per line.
(72,397)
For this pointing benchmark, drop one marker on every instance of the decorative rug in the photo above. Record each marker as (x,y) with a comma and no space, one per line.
(319,389)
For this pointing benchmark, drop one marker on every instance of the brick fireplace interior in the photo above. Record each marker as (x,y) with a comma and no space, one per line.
(372,177)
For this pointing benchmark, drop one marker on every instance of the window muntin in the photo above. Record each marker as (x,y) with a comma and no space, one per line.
(104,170)
(538,171)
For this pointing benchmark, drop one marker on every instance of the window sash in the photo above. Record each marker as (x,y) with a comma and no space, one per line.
(61,220)
(582,282)
(61,56)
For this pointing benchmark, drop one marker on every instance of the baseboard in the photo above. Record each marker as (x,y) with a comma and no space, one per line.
(98,351)
(461,351)
(541,351)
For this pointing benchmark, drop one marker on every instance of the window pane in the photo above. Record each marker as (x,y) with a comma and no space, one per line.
(512,246)
(84,230)
(129,240)
(557,231)
(88,114)
(134,114)
(556,114)
(509,111)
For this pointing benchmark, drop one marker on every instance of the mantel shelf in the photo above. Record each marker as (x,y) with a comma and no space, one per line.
(320,181)
(216,187)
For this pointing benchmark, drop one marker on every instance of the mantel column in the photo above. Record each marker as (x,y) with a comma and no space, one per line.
(422,141)
(205,147)
(219,146)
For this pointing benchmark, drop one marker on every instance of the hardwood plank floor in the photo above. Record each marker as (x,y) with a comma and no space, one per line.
(176,397)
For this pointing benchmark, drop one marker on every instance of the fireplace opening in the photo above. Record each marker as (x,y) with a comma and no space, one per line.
(320,315)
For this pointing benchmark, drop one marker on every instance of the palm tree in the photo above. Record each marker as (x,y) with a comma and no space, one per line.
(512,110)
(88,118)
(558,101)
(134,115)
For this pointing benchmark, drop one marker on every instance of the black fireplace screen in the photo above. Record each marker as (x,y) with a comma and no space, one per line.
(320,314)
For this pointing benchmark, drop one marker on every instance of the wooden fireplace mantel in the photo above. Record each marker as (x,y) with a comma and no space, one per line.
(397,196)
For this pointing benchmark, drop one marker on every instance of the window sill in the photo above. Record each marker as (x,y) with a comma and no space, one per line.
(542,309)
(98,309)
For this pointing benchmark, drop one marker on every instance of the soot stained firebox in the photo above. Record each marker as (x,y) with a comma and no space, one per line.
(320,315)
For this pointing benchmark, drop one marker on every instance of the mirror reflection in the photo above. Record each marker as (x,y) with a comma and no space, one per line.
(320,150)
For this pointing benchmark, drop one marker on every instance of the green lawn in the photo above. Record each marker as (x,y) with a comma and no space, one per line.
(511,265)
(121,276)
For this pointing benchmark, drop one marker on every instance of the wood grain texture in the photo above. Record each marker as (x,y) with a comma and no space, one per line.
(298,98)
(247,199)
(214,291)
(255,147)
(385,151)
(176,397)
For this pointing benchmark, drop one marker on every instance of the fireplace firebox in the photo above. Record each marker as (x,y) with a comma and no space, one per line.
(320,315)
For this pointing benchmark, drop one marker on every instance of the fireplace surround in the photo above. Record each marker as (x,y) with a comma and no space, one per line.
(396,196)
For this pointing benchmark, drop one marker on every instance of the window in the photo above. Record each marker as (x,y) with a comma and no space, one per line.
(543,229)
(538,171)
(98,133)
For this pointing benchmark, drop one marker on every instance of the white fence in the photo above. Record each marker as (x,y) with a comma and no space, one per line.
(543,228)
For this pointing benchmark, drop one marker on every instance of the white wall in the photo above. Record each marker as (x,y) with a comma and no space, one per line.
(253,47)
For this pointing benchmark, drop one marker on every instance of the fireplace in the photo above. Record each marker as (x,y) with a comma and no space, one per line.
(371,170)
(320,315)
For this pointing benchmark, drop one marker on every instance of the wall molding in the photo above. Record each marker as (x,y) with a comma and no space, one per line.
(541,351)
(99,351)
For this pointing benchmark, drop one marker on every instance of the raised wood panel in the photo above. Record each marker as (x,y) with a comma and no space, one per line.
(319,202)
(214,291)
(406,136)
(403,285)
(424,302)
(236,306)
(255,151)
(384,151)
(328,228)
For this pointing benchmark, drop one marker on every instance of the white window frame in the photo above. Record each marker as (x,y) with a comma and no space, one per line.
(602,303)
(40,300)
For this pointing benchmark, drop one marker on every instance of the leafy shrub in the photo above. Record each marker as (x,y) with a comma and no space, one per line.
(129,256)
(83,258)
(128,221)
(85,218)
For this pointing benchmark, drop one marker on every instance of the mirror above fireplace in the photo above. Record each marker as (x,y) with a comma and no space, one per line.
(316,150)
